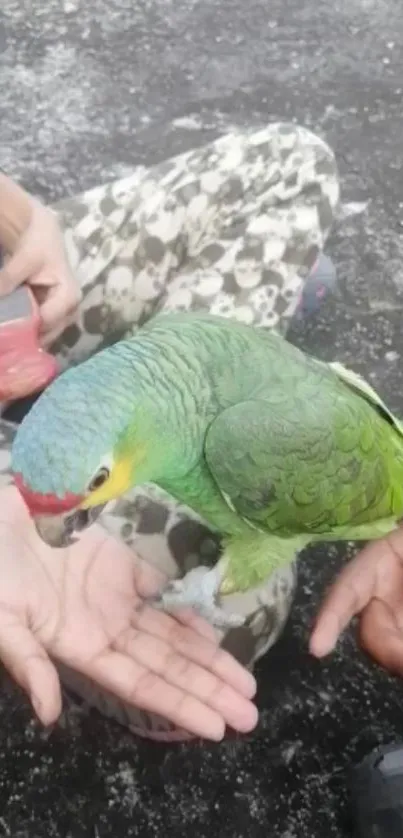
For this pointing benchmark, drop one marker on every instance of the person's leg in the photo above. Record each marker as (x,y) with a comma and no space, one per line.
(269,206)
(234,228)
(237,224)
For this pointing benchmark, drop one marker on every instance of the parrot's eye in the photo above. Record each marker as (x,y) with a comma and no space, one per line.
(99,479)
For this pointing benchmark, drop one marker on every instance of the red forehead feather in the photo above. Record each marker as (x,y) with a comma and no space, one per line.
(39,504)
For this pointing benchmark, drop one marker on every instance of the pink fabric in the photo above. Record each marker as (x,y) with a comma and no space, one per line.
(24,367)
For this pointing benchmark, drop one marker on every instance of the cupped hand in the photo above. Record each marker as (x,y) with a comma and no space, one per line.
(39,259)
(370,586)
(81,606)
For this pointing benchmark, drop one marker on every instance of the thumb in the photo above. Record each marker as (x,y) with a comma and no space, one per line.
(348,596)
(56,310)
(18,269)
(30,666)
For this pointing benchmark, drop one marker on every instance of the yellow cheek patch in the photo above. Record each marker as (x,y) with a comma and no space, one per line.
(119,481)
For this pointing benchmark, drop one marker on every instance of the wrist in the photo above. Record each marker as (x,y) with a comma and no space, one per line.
(16,209)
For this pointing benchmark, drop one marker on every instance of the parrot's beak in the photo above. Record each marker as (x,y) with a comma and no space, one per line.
(63,530)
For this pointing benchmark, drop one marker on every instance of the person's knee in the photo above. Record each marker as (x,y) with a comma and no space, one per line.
(306,163)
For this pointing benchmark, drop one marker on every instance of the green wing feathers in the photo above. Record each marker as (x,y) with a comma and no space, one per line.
(329,465)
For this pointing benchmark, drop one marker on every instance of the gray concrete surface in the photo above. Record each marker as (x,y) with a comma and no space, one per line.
(89,89)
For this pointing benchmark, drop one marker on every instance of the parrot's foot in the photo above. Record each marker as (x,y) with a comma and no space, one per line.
(198,590)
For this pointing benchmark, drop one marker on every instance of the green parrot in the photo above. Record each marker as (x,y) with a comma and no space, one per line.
(274,449)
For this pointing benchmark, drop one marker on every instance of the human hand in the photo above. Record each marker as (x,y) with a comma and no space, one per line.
(38,258)
(80,606)
(370,586)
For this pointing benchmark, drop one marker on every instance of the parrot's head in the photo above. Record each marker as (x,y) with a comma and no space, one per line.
(79,447)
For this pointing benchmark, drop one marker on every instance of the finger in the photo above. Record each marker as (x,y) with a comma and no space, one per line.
(191,645)
(148,581)
(136,685)
(29,665)
(57,307)
(381,637)
(188,618)
(203,683)
(18,269)
(50,337)
(347,597)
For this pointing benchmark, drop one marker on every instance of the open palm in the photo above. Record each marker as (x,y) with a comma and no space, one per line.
(82,606)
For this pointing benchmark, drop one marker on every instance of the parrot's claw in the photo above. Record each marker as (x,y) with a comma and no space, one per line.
(197,590)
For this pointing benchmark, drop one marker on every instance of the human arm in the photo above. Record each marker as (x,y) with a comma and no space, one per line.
(16,208)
